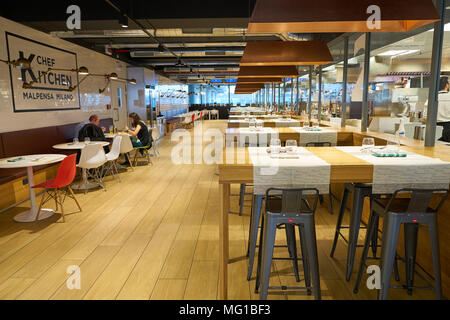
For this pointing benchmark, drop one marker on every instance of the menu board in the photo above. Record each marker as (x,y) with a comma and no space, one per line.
(49,90)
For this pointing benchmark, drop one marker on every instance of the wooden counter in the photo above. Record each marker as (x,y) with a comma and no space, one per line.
(237,168)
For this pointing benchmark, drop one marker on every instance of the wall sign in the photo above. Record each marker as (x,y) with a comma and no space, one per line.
(49,91)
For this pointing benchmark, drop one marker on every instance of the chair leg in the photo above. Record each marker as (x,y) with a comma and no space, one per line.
(40,205)
(127,156)
(339,220)
(58,195)
(306,269)
(391,230)
(292,246)
(411,230)
(74,198)
(369,236)
(433,230)
(115,167)
(266,247)
(99,178)
(311,247)
(374,240)
(260,250)
(355,221)
(56,204)
(253,233)
(135,158)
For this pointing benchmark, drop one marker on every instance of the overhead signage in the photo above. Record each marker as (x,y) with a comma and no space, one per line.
(49,90)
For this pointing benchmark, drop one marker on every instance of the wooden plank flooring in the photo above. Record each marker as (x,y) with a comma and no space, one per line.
(155,236)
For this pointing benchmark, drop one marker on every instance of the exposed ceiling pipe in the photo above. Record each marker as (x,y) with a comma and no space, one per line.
(145,30)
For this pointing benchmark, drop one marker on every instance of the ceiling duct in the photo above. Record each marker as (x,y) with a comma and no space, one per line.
(216,53)
(197,30)
(142,54)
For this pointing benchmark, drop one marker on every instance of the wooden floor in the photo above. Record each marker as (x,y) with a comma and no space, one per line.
(155,236)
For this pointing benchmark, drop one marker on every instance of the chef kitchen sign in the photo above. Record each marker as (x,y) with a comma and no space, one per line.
(49,91)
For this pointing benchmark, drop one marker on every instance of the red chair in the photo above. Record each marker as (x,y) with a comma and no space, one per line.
(201,115)
(64,177)
(193,119)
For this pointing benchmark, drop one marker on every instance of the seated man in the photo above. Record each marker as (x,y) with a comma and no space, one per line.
(79,127)
(92,130)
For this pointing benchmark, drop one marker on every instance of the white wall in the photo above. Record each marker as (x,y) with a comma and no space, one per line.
(95,62)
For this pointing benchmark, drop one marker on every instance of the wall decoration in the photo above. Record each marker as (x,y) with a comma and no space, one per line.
(50,90)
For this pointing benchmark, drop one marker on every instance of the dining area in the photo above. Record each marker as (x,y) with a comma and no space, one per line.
(79,165)
(239,159)
(289,177)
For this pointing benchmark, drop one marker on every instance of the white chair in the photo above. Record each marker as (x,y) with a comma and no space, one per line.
(92,158)
(215,114)
(126,147)
(112,157)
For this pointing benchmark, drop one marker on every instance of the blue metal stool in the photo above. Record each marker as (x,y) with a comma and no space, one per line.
(360,191)
(295,211)
(410,212)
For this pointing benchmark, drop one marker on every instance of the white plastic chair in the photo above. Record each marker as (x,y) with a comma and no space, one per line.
(215,114)
(93,157)
(126,147)
(112,157)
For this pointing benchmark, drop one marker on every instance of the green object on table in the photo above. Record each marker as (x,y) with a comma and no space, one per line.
(389,155)
(16,159)
(315,129)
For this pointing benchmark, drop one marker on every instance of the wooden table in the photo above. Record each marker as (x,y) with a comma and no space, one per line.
(29,162)
(345,168)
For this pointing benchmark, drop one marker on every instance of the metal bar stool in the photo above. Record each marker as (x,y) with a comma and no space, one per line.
(360,191)
(255,219)
(295,211)
(410,212)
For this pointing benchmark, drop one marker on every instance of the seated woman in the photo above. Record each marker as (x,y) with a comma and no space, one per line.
(140,131)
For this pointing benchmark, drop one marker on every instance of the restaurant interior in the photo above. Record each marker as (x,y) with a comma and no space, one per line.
(240,150)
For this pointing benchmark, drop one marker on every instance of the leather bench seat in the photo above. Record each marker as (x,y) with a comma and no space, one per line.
(36,141)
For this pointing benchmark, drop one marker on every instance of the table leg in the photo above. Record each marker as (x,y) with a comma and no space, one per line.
(31,215)
(223,242)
